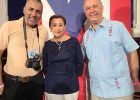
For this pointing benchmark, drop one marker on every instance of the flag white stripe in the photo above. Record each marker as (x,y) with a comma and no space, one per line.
(47,13)
(106,12)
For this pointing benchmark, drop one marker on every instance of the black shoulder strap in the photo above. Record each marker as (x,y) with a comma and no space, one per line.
(25,36)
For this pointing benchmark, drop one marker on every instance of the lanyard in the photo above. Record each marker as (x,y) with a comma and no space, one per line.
(25,36)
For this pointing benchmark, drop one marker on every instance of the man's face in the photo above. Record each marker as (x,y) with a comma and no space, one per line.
(93,10)
(32,12)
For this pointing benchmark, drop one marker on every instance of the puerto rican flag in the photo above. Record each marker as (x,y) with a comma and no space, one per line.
(72,10)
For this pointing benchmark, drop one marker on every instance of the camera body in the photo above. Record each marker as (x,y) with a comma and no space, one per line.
(33,63)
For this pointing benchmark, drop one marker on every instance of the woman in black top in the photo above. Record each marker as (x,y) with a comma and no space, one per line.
(62,62)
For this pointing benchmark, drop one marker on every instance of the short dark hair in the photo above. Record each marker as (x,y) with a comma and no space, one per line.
(57,16)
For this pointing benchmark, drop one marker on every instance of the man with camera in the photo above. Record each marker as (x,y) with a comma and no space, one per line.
(24,39)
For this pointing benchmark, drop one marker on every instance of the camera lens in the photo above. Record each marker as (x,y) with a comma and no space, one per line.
(36,65)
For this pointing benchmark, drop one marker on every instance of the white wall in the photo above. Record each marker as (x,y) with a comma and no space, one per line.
(3,11)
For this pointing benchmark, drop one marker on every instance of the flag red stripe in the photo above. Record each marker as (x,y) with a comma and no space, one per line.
(121,10)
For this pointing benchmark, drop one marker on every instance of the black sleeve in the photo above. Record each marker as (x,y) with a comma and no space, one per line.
(79,59)
(44,59)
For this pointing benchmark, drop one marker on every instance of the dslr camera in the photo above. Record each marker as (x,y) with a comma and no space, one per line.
(33,63)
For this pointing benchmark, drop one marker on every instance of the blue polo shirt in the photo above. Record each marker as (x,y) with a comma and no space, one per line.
(106,50)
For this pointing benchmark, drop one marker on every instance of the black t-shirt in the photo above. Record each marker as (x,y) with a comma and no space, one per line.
(63,63)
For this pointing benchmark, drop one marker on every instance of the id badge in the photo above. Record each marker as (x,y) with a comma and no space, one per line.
(32,53)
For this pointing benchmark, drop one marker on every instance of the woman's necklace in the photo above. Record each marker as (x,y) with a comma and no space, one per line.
(59,44)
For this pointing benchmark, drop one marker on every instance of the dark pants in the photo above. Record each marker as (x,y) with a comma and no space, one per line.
(17,90)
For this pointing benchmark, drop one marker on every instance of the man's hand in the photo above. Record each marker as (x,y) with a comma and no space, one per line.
(137,87)
(1,88)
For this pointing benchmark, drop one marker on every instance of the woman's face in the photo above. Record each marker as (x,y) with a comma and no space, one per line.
(57,27)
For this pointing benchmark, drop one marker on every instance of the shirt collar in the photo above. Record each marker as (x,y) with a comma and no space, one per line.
(102,24)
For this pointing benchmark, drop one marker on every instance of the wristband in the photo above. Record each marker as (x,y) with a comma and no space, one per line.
(136,83)
(2,85)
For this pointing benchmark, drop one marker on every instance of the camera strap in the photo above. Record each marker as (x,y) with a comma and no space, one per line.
(25,36)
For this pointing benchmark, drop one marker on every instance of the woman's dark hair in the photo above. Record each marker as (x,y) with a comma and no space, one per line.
(57,16)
